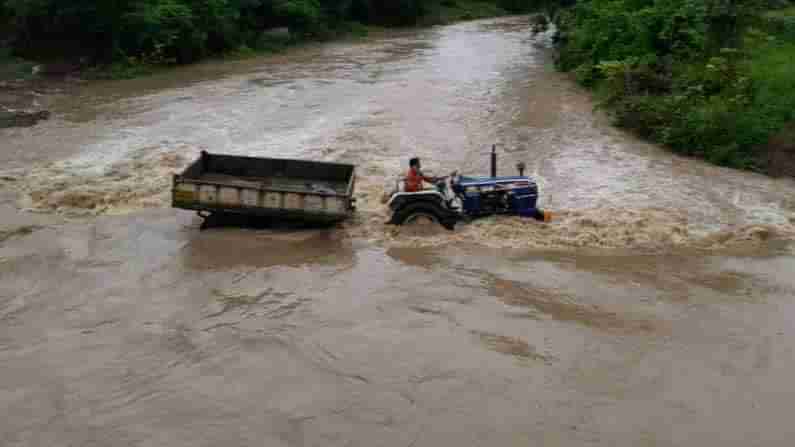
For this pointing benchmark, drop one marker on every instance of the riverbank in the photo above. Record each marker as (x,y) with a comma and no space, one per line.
(276,39)
(24,81)
(682,88)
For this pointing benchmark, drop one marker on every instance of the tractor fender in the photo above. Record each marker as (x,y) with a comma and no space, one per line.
(401,199)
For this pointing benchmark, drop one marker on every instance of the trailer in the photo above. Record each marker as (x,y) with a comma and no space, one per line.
(307,191)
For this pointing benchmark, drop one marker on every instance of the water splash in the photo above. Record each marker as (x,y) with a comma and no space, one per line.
(78,189)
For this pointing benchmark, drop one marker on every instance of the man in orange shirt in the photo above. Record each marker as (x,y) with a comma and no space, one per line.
(415,177)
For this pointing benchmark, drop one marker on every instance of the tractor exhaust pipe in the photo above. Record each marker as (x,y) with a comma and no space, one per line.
(493,161)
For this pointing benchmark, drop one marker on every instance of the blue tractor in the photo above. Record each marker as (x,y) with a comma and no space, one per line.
(456,198)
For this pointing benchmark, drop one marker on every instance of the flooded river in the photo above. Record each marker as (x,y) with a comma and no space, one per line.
(656,310)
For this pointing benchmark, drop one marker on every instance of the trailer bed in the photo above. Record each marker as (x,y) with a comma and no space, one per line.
(284,183)
(291,189)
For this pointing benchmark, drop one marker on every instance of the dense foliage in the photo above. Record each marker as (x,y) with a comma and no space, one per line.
(186,30)
(712,78)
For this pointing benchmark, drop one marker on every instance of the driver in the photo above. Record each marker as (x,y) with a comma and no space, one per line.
(415,177)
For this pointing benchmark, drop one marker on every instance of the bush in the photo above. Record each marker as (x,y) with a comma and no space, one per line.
(162,32)
(657,71)
(782,27)
(301,16)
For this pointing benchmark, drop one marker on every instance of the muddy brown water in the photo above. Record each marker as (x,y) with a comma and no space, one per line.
(656,310)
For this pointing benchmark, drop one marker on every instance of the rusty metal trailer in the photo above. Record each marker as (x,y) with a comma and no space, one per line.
(309,191)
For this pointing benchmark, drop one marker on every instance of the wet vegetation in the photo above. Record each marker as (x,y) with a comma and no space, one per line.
(124,35)
(708,78)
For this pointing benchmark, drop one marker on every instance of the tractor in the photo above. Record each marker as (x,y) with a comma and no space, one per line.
(457,198)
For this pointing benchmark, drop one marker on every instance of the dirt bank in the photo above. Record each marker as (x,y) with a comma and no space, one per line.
(781,153)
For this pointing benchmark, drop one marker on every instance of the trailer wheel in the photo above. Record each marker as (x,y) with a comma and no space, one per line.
(211,220)
(423,210)
(208,220)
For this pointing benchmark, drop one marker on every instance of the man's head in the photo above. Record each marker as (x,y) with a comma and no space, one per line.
(414,163)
